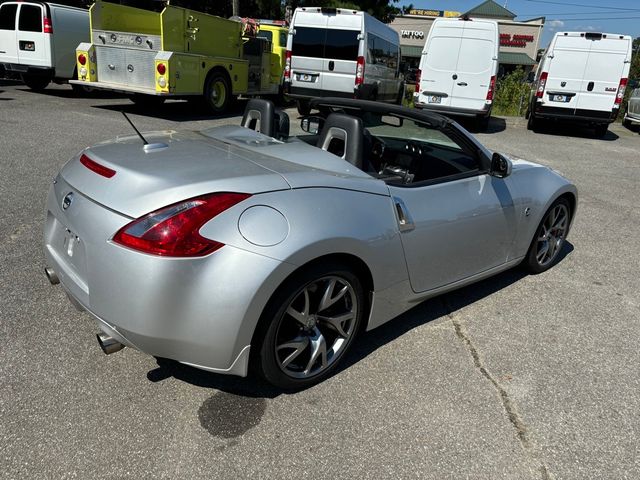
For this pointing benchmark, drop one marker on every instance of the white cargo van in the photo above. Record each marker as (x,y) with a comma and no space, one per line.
(344,53)
(38,40)
(581,78)
(458,67)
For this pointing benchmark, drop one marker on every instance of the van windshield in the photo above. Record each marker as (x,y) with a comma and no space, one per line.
(325,43)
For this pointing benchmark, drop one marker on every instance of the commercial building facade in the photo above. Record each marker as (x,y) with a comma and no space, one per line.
(519,40)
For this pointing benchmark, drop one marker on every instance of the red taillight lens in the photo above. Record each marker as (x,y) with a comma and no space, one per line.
(82,59)
(492,87)
(287,65)
(621,88)
(173,231)
(47,27)
(360,71)
(542,83)
(96,167)
(162,68)
(418,78)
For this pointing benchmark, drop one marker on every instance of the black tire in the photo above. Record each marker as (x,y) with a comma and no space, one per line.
(217,93)
(536,260)
(400,96)
(626,123)
(36,83)
(483,122)
(532,123)
(147,101)
(601,129)
(303,107)
(278,330)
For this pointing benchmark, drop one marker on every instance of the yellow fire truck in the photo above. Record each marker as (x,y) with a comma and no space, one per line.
(176,52)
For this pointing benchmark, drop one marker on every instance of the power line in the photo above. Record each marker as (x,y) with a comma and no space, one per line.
(586,6)
(592,18)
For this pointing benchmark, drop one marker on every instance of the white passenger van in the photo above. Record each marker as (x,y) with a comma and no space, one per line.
(344,53)
(458,67)
(582,78)
(38,40)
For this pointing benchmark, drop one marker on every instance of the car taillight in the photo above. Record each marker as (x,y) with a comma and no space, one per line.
(162,68)
(418,77)
(492,86)
(541,84)
(287,65)
(47,27)
(360,71)
(173,231)
(96,167)
(82,59)
(621,88)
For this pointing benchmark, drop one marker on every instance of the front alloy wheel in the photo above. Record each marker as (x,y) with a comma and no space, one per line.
(312,329)
(549,238)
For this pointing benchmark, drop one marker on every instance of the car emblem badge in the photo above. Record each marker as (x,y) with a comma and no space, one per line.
(130,68)
(563,84)
(67,200)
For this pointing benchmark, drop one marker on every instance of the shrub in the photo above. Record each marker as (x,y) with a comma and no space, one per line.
(512,94)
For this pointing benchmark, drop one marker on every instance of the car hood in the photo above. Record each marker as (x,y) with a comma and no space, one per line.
(228,159)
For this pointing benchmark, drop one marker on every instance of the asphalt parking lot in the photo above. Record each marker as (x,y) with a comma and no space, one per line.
(515,377)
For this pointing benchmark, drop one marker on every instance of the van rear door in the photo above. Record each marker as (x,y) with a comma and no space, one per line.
(34,46)
(341,52)
(307,50)
(477,59)
(8,39)
(439,61)
(567,61)
(603,70)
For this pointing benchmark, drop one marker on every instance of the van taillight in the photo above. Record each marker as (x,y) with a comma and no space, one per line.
(621,88)
(492,87)
(418,78)
(541,84)
(360,71)
(48,28)
(287,65)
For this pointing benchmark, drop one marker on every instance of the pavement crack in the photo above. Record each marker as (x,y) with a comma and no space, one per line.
(508,404)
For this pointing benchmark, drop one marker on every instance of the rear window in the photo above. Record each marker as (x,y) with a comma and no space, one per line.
(8,17)
(30,18)
(266,34)
(325,43)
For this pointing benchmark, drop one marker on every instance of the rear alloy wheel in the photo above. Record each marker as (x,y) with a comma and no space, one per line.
(36,82)
(313,325)
(217,93)
(550,237)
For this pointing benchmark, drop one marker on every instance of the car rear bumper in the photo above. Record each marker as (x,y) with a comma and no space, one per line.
(201,312)
(460,112)
(363,92)
(28,69)
(578,115)
(632,118)
(116,87)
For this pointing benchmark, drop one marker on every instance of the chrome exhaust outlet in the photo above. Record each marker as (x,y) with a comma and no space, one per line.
(108,344)
(51,275)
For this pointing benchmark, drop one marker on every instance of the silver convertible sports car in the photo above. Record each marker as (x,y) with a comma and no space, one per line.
(243,247)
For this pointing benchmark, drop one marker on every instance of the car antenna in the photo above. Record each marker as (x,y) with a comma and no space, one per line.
(134,127)
(148,147)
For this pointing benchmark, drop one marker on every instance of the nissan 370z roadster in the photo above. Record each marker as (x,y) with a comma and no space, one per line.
(244,247)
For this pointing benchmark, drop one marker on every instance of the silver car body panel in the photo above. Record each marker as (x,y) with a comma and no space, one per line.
(305,204)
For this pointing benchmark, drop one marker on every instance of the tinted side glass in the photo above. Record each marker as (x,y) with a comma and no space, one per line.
(266,34)
(341,45)
(8,17)
(30,19)
(283,39)
(309,42)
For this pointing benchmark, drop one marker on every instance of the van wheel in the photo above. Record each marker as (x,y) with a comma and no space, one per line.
(483,122)
(532,124)
(36,82)
(303,107)
(601,129)
(217,93)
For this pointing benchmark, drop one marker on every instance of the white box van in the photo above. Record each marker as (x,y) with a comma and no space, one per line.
(458,67)
(343,53)
(582,78)
(38,40)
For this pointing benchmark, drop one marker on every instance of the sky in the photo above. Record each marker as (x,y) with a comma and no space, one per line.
(611,16)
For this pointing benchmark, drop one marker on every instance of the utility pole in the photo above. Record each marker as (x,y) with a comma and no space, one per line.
(235,8)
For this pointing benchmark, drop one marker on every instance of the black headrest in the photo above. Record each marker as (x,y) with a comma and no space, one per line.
(261,115)
(347,129)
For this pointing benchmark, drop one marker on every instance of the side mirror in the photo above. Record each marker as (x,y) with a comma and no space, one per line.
(531,76)
(500,166)
(312,124)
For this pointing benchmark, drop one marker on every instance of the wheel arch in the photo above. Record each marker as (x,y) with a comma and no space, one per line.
(212,71)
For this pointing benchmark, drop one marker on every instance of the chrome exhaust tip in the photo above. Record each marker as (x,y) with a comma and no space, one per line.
(51,275)
(108,344)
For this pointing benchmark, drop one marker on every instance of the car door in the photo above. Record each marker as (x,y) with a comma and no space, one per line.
(456,226)
(34,46)
(8,40)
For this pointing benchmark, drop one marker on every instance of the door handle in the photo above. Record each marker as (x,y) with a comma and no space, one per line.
(590,86)
(463,84)
(331,65)
(405,222)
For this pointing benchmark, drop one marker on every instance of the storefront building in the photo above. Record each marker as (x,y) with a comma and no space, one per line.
(519,40)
